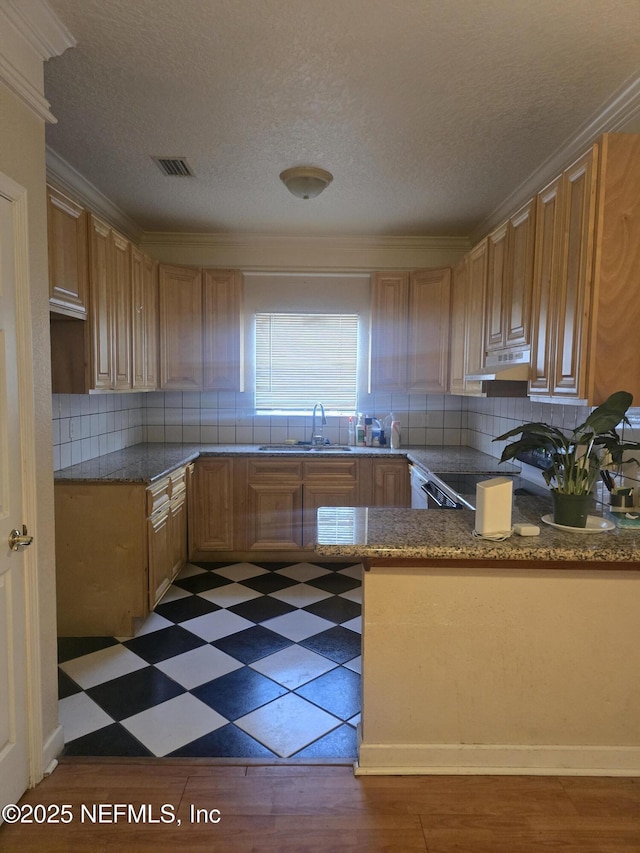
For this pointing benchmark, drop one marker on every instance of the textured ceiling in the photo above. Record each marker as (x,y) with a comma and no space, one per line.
(429,113)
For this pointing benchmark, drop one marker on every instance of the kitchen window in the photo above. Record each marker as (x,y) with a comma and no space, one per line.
(302,358)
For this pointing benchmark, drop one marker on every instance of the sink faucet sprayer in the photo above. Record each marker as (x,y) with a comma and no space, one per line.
(317,436)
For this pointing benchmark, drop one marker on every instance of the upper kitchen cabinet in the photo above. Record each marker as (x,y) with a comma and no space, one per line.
(67,239)
(222,331)
(410,331)
(509,282)
(144,322)
(466,348)
(96,354)
(586,310)
(200,329)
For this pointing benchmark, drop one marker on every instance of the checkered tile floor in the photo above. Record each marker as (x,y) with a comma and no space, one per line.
(239,661)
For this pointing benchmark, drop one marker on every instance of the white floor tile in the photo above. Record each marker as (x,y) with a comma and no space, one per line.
(287,724)
(79,715)
(352,571)
(103,665)
(198,666)
(353,595)
(155,622)
(354,624)
(174,593)
(241,571)
(213,626)
(300,595)
(293,666)
(232,593)
(173,724)
(190,570)
(302,571)
(298,625)
(355,665)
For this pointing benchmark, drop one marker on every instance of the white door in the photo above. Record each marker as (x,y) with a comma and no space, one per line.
(14,751)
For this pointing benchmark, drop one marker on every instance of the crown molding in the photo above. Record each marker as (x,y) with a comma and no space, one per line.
(30,33)
(270,252)
(614,116)
(67,179)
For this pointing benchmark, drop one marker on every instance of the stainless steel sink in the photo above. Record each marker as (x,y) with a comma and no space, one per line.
(313,448)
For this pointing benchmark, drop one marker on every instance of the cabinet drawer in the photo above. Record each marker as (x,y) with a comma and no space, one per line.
(158,494)
(338,469)
(288,469)
(178,482)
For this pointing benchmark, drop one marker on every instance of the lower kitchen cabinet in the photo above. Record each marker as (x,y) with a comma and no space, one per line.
(118,547)
(265,508)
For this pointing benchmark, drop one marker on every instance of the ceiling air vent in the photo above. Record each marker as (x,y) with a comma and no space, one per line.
(173,167)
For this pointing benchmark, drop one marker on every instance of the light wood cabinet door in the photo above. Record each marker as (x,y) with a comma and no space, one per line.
(222,330)
(549,244)
(428,358)
(327,483)
(519,277)
(120,250)
(272,517)
(144,328)
(211,507)
(496,263)
(178,520)
(575,279)
(101,305)
(389,319)
(457,331)
(391,483)
(477,286)
(160,554)
(67,240)
(180,312)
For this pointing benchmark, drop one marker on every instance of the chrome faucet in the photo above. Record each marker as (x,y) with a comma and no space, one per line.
(316,435)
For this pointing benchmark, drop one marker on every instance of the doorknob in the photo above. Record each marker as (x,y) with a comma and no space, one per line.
(19,540)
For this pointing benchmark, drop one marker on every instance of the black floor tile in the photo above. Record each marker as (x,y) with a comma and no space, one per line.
(336,609)
(164,644)
(129,694)
(66,685)
(270,582)
(239,692)
(75,647)
(111,740)
(202,582)
(337,692)
(252,644)
(338,644)
(186,608)
(261,609)
(334,583)
(226,742)
(340,743)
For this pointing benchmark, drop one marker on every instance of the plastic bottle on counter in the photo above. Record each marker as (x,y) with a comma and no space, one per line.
(352,432)
(368,431)
(360,431)
(394,433)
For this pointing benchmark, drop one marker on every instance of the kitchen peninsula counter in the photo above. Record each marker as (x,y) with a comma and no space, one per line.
(481,657)
(373,533)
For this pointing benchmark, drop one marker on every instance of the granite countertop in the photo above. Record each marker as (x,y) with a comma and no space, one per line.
(145,463)
(448,534)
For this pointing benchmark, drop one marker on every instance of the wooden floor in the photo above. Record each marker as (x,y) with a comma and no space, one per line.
(296,808)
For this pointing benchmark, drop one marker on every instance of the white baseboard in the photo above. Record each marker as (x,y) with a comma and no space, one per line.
(496,759)
(52,748)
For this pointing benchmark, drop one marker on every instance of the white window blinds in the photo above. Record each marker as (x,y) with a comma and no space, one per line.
(302,359)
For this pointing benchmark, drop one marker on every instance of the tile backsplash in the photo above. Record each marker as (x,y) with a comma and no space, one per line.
(86,426)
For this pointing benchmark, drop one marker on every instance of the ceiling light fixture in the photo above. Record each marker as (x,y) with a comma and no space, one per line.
(306,181)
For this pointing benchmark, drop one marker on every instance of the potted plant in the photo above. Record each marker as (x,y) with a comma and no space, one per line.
(576,458)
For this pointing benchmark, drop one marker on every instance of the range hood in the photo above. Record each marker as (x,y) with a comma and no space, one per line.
(507,365)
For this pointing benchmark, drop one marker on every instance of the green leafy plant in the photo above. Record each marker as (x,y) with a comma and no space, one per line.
(576,458)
